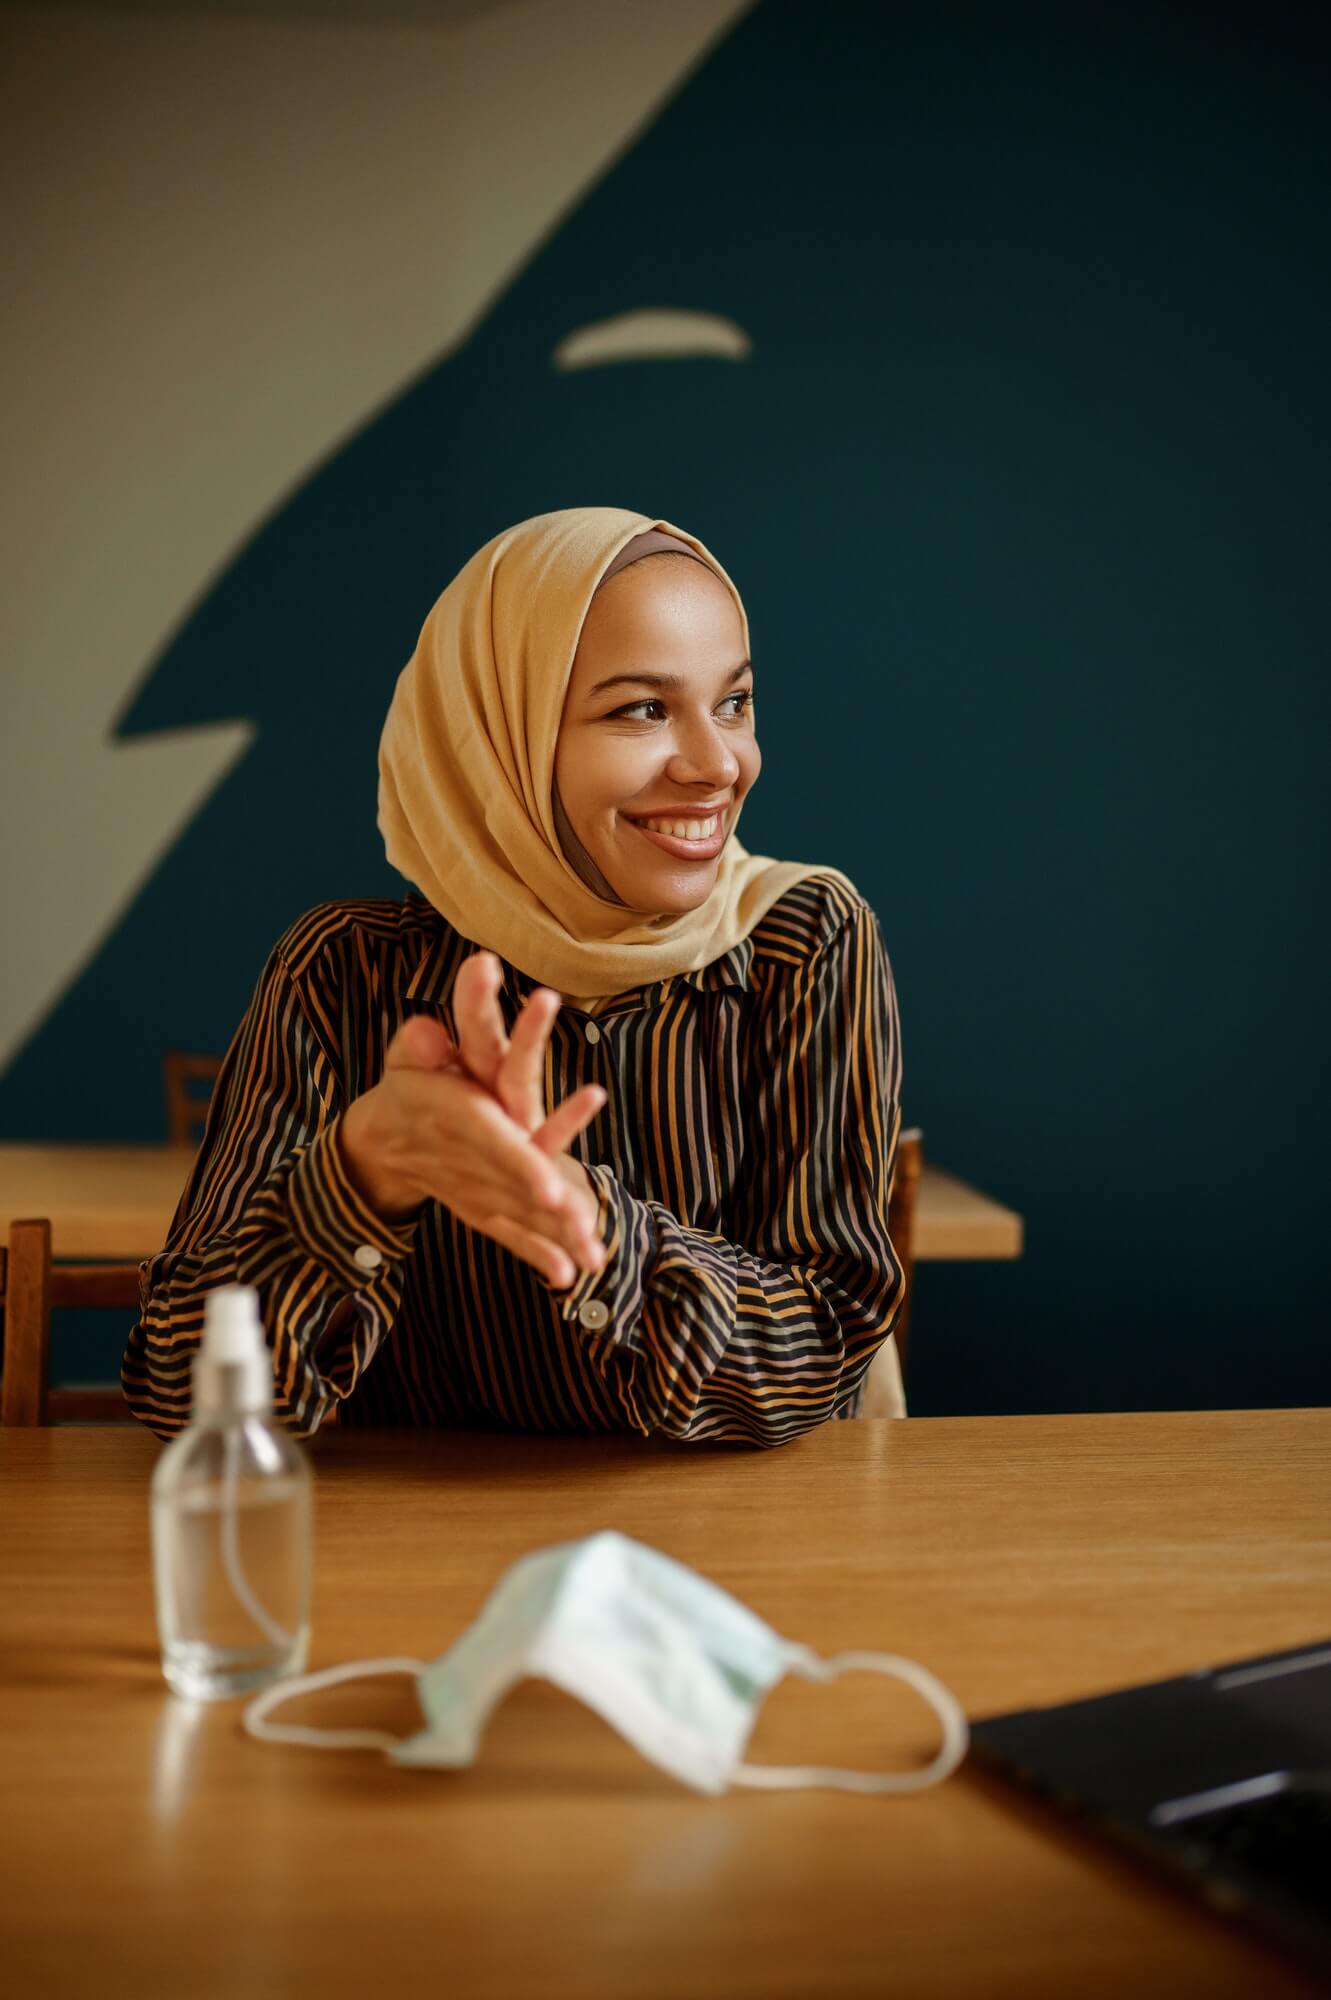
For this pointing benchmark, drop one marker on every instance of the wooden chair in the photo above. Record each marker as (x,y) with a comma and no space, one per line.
(901,1222)
(29,1288)
(189,1084)
(882,1393)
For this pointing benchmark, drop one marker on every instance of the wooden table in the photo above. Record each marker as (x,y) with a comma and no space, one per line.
(149,1846)
(116,1202)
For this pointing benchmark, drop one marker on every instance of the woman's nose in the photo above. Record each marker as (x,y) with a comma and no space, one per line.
(704,756)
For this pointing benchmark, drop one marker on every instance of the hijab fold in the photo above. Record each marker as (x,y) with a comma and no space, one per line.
(467,803)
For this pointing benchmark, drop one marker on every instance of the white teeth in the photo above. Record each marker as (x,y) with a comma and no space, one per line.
(684,829)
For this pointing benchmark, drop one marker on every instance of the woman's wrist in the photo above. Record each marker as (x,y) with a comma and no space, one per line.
(386,1193)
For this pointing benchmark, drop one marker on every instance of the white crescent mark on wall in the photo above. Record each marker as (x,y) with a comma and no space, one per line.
(653,333)
(253,320)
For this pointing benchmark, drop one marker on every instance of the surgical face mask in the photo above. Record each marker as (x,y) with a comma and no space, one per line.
(675,1664)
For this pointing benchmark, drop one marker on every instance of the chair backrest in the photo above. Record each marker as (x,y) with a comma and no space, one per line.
(901,1223)
(884,1394)
(29,1288)
(188,1081)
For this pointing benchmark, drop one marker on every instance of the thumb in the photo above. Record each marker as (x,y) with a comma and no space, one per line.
(421,1043)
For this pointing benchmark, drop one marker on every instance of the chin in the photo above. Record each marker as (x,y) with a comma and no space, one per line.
(669,899)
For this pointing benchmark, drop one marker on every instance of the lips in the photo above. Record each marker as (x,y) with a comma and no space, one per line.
(690,826)
(684,850)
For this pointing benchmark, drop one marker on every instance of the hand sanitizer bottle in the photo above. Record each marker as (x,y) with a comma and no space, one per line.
(231,1520)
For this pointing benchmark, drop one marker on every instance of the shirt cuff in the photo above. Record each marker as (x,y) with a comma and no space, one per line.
(333,1223)
(608,1302)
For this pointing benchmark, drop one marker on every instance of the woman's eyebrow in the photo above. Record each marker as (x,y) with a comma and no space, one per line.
(668,681)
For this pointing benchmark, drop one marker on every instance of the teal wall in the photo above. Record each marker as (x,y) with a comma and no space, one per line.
(1026,487)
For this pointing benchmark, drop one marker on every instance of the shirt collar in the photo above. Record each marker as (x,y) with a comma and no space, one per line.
(430,977)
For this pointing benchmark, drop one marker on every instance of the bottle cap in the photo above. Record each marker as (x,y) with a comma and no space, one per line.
(233,1371)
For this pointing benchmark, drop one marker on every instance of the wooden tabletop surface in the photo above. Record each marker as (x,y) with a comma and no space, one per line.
(148,1846)
(117,1202)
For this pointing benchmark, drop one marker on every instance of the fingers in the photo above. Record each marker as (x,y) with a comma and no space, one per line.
(509,1175)
(482,1039)
(421,1043)
(568,1119)
(498,1145)
(521,1080)
(514,1069)
(548,1258)
(566,1238)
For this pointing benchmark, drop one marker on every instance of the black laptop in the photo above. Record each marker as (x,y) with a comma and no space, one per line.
(1222,1777)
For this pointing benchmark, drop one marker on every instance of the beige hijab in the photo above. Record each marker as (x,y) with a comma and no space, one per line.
(466,771)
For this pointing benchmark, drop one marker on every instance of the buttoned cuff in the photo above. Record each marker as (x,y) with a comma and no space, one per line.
(608,1303)
(332,1221)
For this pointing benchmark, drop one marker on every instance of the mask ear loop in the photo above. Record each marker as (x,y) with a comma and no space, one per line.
(323,1739)
(956,1730)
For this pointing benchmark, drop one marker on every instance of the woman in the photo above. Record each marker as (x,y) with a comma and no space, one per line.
(626,1165)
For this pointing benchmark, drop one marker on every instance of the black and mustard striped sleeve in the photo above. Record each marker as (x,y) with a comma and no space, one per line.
(269,1204)
(761,1331)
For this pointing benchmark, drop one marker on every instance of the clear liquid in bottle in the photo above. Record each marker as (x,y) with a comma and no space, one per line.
(232,1525)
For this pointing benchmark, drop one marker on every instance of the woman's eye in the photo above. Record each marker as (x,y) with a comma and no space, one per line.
(637,711)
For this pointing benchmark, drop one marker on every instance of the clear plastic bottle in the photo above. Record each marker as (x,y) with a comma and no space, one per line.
(232,1521)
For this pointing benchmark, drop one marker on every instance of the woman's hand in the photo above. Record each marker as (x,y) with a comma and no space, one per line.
(514,1069)
(477,1138)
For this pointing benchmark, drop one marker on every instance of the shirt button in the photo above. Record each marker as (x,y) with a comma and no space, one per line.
(593,1033)
(367,1257)
(594,1315)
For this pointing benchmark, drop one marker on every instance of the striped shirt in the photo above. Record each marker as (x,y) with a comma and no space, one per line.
(742,1165)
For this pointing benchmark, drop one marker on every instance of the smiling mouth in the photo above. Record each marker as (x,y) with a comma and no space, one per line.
(683,829)
(689,839)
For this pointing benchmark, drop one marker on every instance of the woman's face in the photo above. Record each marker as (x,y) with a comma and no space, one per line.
(656,749)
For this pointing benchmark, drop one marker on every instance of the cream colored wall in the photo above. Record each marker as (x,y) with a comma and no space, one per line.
(236,239)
